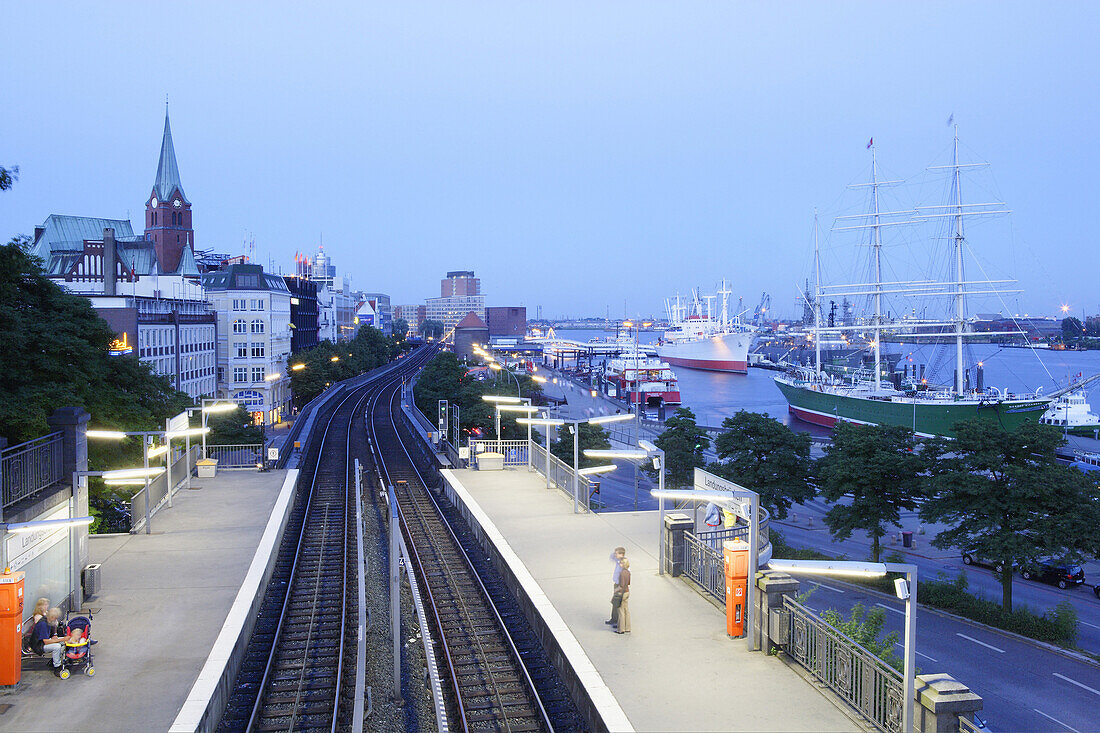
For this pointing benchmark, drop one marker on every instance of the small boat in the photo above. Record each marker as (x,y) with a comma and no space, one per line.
(1072,412)
(637,378)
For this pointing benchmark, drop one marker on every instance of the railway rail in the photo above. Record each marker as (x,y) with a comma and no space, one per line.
(490,686)
(294,676)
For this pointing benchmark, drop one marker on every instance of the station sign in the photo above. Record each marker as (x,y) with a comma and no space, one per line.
(740,502)
(178,423)
(22,547)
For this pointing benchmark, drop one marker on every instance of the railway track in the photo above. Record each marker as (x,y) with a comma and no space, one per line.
(492,683)
(295,673)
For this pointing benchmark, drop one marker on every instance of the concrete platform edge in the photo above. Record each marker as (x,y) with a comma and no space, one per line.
(206,700)
(590,693)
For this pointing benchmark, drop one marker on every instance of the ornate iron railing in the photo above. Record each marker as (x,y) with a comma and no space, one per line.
(860,678)
(514,451)
(29,467)
(704,565)
(236,456)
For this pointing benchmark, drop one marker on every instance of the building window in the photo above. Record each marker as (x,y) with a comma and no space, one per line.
(257,349)
(240,326)
(240,375)
(257,326)
(257,374)
(242,349)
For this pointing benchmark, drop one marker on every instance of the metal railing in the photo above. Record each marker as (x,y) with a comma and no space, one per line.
(561,477)
(704,565)
(158,487)
(29,467)
(860,678)
(514,451)
(703,560)
(236,456)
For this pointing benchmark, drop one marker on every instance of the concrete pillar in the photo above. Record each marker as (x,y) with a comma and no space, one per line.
(72,422)
(941,701)
(773,586)
(675,526)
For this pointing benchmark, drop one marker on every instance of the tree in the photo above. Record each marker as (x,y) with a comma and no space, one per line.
(864,628)
(431,329)
(683,442)
(764,455)
(1007,499)
(400,327)
(877,465)
(231,428)
(8,176)
(589,437)
(1072,330)
(56,354)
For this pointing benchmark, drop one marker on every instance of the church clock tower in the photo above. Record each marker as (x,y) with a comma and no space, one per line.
(167,211)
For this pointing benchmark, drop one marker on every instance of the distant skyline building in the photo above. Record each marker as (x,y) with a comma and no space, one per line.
(254,339)
(460,293)
(508,321)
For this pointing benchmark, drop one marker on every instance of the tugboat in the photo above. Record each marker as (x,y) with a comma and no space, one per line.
(1072,412)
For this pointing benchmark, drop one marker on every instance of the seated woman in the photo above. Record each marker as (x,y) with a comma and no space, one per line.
(44,640)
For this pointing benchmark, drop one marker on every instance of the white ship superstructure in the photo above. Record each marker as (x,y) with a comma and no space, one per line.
(700,339)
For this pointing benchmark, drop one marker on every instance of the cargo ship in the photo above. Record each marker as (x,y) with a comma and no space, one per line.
(700,339)
(875,396)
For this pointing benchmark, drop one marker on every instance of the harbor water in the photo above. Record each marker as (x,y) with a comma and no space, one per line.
(714,396)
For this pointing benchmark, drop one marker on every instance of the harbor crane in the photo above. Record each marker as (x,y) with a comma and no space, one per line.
(761,313)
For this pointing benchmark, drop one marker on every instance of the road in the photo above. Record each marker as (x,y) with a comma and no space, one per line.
(932,564)
(1024,687)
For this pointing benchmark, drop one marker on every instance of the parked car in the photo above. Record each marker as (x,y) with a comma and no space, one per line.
(1055,572)
(973,558)
(1096,590)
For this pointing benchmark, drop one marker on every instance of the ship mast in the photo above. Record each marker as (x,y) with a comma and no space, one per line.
(725,293)
(876,244)
(960,314)
(817,301)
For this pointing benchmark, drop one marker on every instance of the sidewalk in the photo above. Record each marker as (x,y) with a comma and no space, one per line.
(163,599)
(677,670)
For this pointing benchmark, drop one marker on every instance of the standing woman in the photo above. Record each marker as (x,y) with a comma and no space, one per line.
(624,607)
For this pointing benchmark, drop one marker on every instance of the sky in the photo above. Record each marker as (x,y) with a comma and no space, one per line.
(585,157)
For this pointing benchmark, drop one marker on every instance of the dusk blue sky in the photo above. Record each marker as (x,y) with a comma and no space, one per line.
(575,155)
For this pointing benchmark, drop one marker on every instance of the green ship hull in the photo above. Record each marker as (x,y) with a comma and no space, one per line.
(924,417)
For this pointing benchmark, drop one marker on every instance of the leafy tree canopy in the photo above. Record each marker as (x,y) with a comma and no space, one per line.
(432,328)
(329,363)
(764,455)
(877,465)
(1007,499)
(56,355)
(683,442)
(400,327)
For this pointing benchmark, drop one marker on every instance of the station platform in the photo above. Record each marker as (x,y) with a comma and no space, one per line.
(163,601)
(677,670)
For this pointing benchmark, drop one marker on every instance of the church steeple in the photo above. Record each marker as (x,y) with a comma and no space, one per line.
(168,172)
(167,210)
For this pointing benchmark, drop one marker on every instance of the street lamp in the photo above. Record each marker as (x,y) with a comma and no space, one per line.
(905,590)
(498,368)
(575,426)
(547,422)
(527,409)
(215,404)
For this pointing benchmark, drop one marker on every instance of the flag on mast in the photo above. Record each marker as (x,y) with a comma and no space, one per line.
(870,143)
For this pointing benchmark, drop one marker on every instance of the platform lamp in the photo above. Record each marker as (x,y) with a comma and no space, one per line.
(905,589)
(216,404)
(501,400)
(547,422)
(527,409)
(575,426)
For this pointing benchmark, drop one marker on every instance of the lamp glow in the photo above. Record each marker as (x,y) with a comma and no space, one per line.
(830,567)
(610,418)
(220,407)
(187,433)
(494,366)
(160,450)
(518,408)
(272,377)
(297,367)
(17,527)
(537,378)
(501,398)
(109,434)
(132,473)
(547,421)
(592,470)
(632,455)
(124,481)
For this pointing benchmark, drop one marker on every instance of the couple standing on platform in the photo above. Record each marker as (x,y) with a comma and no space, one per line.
(620,597)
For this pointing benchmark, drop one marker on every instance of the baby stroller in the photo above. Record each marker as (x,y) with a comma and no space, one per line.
(78,647)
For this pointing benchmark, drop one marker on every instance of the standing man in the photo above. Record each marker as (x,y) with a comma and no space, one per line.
(616,596)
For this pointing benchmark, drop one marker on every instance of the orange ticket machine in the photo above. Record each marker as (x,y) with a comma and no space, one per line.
(11,627)
(736,553)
